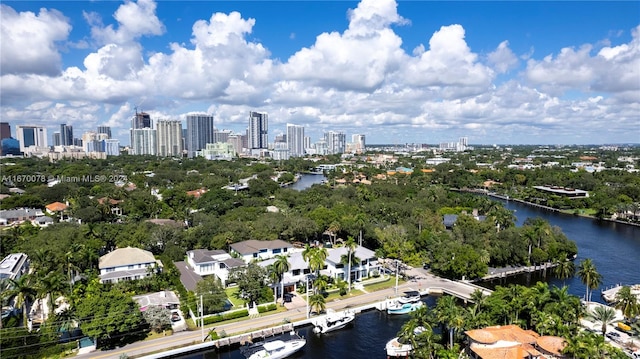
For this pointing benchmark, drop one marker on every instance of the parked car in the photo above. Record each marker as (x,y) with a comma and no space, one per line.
(288,297)
(175,317)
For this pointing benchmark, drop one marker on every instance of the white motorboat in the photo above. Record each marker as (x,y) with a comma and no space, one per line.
(275,349)
(398,348)
(403,308)
(411,296)
(333,321)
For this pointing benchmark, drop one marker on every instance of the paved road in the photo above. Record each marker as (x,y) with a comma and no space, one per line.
(296,312)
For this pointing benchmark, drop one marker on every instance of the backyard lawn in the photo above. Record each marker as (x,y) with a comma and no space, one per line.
(237,302)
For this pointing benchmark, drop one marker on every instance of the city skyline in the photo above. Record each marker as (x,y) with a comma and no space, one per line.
(398,72)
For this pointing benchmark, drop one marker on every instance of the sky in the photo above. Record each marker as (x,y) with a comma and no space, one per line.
(504,72)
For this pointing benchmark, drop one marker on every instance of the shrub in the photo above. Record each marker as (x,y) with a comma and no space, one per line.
(227,316)
(267,308)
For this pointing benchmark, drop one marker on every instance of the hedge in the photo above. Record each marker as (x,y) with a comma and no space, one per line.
(267,308)
(227,316)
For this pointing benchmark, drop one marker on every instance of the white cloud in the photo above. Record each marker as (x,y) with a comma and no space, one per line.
(450,63)
(29,41)
(134,19)
(358,59)
(503,59)
(359,79)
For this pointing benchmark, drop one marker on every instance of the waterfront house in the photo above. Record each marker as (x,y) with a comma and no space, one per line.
(299,268)
(127,264)
(259,250)
(511,341)
(14,266)
(19,215)
(212,262)
(42,221)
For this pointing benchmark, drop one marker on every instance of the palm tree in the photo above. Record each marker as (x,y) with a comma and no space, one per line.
(627,302)
(360,221)
(281,266)
(316,259)
(334,228)
(351,246)
(50,285)
(589,276)
(604,315)
(447,314)
(316,301)
(22,291)
(564,269)
(274,279)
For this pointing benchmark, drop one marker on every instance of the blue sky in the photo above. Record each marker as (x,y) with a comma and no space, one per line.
(398,72)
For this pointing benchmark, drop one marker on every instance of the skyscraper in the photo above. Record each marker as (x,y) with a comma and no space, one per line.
(106,130)
(5,130)
(66,135)
(144,141)
(56,139)
(359,145)
(200,131)
(295,140)
(111,147)
(336,142)
(258,130)
(31,136)
(141,120)
(169,138)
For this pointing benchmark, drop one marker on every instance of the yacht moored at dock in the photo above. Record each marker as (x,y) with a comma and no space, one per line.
(275,349)
(333,321)
(404,308)
(410,296)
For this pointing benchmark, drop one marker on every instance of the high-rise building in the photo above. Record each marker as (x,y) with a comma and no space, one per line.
(88,139)
(200,131)
(9,146)
(221,136)
(236,141)
(141,120)
(106,130)
(295,140)
(336,142)
(66,135)
(5,130)
(144,141)
(359,145)
(258,130)
(31,136)
(169,138)
(111,147)
(56,139)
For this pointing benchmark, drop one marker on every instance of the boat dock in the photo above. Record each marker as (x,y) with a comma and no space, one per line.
(273,325)
(609,295)
(496,273)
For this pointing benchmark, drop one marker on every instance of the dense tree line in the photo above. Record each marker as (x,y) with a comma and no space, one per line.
(399,217)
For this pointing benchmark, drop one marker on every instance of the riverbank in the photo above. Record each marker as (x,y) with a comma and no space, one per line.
(570,213)
(421,281)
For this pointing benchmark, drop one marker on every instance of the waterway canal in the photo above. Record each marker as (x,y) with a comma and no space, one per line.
(614,249)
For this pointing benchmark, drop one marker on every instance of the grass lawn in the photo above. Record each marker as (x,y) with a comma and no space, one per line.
(389,283)
(237,303)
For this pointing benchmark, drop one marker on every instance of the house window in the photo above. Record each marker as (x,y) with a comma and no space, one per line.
(339,265)
(255,255)
(307,271)
(277,250)
(296,272)
(285,250)
(263,250)
(131,266)
(109,270)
